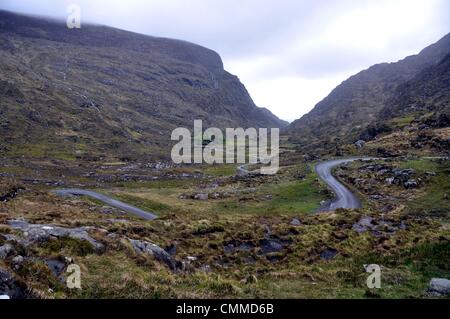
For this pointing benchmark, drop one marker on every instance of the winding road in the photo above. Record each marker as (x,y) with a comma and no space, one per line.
(344,197)
(108,201)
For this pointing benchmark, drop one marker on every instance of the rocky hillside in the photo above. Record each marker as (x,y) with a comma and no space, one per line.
(426,95)
(98,91)
(358,101)
(417,117)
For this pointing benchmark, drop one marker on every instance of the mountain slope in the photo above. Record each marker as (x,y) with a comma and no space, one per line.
(416,120)
(356,103)
(427,93)
(99,91)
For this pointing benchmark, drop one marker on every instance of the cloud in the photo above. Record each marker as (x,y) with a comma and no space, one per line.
(289,53)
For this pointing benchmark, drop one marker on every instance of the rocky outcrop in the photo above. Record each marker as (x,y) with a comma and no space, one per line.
(144,247)
(377,228)
(34,233)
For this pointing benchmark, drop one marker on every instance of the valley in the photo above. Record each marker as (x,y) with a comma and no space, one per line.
(227,235)
(87,178)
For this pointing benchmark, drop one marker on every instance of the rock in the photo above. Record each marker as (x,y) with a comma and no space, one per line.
(107,210)
(117,221)
(439,286)
(384,171)
(11,194)
(328,254)
(35,233)
(18,260)
(229,248)
(144,247)
(403,175)
(270,246)
(206,269)
(5,250)
(201,196)
(246,246)
(10,287)
(360,143)
(390,180)
(431,173)
(191,258)
(57,267)
(363,225)
(234,245)
(295,222)
(89,103)
(442,121)
(411,184)
(215,196)
(172,249)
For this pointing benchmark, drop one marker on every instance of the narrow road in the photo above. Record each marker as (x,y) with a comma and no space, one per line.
(108,201)
(344,197)
(243,171)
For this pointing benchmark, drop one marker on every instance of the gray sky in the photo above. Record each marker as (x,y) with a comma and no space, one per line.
(289,54)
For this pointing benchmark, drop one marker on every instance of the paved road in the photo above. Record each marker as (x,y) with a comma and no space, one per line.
(242,170)
(344,197)
(108,201)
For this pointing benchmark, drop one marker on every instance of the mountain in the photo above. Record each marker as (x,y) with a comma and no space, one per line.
(99,91)
(428,93)
(357,102)
(416,119)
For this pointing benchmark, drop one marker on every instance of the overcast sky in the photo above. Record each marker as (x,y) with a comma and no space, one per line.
(289,54)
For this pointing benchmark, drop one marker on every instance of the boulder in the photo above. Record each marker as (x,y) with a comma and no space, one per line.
(270,246)
(57,267)
(411,184)
(144,247)
(328,254)
(201,196)
(9,287)
(390,180)
(18,260)
(5,250)
(295,222)
(360,143)
(439,286)
(363,225)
